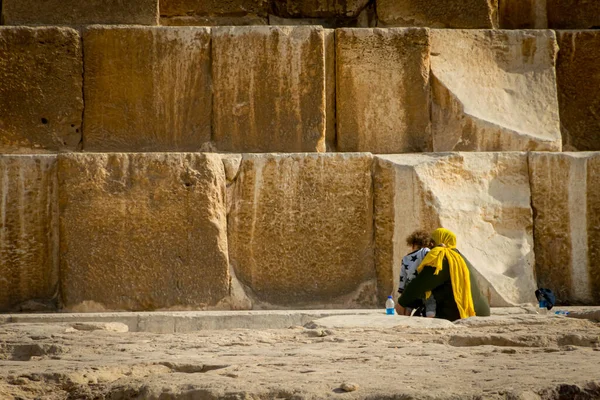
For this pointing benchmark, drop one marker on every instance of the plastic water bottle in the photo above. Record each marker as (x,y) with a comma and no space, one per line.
(542,310)
(389,306)
(561,312)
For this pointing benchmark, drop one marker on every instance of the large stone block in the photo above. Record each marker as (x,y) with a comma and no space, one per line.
(483,197)
(41,98)
(573,14)
(522,14)
(269,89)
(439,14)
(578,77)
(78,12)
(147,89)
(566,203)
(143,231)
(383,90)
(300,230)
(214,12)
(28,230)
(494,90)
(318,8)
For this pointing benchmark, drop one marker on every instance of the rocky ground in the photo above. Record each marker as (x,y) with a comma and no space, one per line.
(519,356)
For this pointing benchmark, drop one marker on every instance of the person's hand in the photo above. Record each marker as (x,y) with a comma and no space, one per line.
(399,309)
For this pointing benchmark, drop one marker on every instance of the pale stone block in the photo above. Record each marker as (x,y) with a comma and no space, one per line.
(214,12)
(494,90)
(41,98)
(573,14)
(318,8)
(143,231)
(484,198)
(578,77)
(300,230)
(269,89)
(439,13)
(80,12)
(566,203)
(523,14)
(147,88)
(28,230)
(383,90)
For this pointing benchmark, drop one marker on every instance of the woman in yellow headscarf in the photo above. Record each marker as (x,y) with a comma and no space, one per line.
(446,274)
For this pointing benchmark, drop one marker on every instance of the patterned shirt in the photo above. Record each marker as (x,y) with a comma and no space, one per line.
(410,263)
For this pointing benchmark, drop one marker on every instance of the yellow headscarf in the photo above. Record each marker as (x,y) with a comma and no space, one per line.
(459,273)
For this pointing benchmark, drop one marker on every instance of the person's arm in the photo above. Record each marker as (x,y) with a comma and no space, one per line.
(402,282)
(424,282)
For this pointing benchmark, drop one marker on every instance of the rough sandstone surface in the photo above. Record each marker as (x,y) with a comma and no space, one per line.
(41,98)
(318,8)
(147,88)
(483,197)
(28,230)
(213,12)
(578,76)
(506,101)
(77,12)
(573,14)
(300,230)
(522,14)
(143,231)
(439,14)
(383,90)
(564,189)
(269,89)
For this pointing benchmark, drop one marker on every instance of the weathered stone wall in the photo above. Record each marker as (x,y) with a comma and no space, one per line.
(269,89)
(494,90)
(439,14)
(28,232)
(300,230)
(147,89)
(383,90)
(214,12)
(566,204)
(578,77)
(77,12)
(142,231)
(41,98)
(483,197)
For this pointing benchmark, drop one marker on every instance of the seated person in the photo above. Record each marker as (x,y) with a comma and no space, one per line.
(419,241)
(445,273)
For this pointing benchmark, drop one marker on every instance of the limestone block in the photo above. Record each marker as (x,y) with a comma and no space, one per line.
(578,77)
(28,230)
(147,88)
(506,100)
(318,8)
(330,89)
(41,98)
(269,89)
(439,14)
(143,231)
(213,12)
(523,14)
(78,12)
(300,230)
(383,90)
(573,14)
(482,197)
(566,203)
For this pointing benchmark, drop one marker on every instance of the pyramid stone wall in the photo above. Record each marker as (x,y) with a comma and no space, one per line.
(177,154)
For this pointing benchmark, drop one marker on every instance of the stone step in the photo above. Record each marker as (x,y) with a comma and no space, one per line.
(471,14)
(296,89)
(148,231)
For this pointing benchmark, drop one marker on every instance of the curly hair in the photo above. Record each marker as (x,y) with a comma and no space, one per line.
(419,238)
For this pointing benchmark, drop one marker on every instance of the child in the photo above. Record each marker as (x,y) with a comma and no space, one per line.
(419,241)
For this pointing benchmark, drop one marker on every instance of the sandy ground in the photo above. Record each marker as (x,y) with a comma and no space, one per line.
(502,357)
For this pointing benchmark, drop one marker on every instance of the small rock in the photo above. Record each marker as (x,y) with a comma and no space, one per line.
(349,387)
